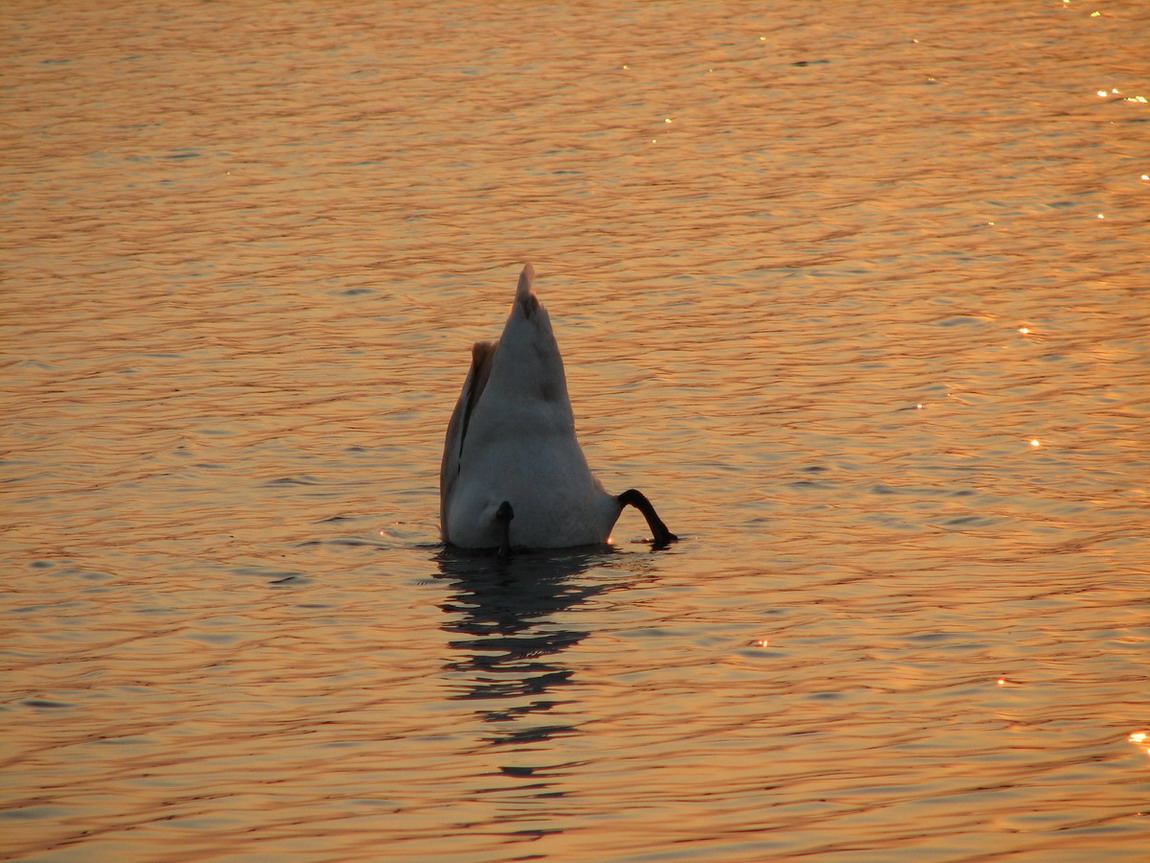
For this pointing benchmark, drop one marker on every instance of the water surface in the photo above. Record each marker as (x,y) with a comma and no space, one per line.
(856,296)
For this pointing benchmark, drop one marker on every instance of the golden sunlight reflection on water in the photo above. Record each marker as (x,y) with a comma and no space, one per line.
(856,295)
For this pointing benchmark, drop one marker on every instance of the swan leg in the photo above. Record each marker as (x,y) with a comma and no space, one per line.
(503,515)
(660,535)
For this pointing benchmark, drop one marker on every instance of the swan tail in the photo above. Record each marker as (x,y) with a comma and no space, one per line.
(525,294)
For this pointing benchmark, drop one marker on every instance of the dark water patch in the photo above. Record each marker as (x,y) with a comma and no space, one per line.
(291,580)
(810,484)
(264,572)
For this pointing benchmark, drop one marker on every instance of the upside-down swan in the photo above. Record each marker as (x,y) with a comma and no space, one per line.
(513,474)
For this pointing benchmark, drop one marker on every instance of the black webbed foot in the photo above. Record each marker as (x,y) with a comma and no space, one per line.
(660,535)
(503,515)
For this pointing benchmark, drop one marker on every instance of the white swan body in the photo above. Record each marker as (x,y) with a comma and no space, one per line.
(513,473)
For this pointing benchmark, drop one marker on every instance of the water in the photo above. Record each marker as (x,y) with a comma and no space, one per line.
(857,296)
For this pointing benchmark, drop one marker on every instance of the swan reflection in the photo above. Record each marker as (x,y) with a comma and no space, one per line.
(508,616)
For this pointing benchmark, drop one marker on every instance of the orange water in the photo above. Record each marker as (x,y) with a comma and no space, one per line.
(857,295)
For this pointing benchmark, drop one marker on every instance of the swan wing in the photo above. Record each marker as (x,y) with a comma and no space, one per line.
(482,354)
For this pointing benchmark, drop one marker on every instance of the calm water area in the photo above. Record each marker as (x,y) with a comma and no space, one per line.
(857,294)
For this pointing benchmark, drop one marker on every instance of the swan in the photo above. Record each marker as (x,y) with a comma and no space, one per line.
(513,474)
